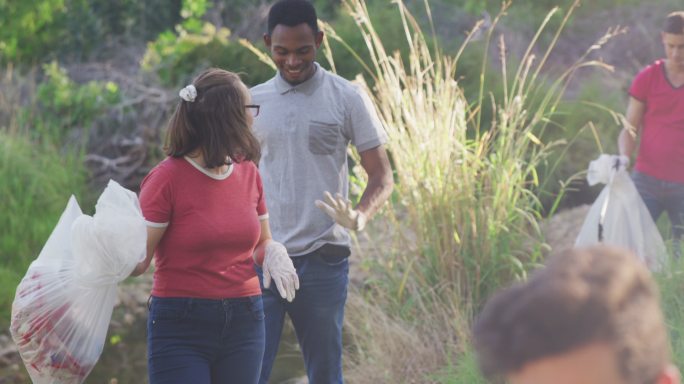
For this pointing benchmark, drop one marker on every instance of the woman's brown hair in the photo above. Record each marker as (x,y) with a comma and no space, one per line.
(215,122)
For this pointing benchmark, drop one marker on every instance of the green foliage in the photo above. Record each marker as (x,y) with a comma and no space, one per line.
(590,121)
(23,23)
(35,31)
(133,18)
(62,105)
(348,39)
(41,164)
(37,181)
(175,56)
(327,9)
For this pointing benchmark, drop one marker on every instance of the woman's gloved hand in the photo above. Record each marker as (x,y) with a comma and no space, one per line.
(278,267)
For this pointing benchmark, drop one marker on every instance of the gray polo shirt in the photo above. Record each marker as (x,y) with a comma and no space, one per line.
(304,132)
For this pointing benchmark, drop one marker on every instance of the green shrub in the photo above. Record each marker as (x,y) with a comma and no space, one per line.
(176,58)
(35,31)
(62,106)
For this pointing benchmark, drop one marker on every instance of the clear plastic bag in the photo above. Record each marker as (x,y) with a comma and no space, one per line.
(619,216)
(64,303)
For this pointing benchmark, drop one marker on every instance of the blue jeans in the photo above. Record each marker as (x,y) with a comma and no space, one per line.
(317,313)
(662,196)
(204,341)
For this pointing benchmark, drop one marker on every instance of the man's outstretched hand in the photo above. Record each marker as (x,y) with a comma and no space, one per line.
(340,209)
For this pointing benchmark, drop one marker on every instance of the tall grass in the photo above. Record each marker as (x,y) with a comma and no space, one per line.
(465,213)
(466,191)
(37,178)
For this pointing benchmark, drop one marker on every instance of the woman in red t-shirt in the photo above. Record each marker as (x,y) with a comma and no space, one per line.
(654,127)
(207,226)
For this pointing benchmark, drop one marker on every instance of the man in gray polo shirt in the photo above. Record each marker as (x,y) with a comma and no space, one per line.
(307,119)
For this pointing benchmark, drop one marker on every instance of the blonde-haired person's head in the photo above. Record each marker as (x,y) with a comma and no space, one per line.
(590,316)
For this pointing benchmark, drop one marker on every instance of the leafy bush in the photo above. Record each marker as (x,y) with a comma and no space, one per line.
(176,58)
(35,31)
(63,106)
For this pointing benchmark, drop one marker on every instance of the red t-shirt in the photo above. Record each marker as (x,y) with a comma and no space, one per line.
(661,149)
(212,226)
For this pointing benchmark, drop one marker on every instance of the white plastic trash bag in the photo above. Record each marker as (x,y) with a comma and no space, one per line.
(64,304)
(619,216)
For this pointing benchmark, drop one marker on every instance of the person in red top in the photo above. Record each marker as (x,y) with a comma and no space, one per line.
(207,227)
(655,114)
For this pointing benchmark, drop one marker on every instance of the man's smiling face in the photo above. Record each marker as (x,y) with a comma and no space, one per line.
(293,49)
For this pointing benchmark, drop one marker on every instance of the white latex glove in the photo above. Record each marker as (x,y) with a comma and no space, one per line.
(601,169)
(278,267)
(340,209)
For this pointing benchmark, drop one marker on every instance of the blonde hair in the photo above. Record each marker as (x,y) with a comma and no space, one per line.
(597,294)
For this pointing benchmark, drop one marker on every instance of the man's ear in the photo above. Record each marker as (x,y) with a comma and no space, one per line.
(267,40)
(669,375)
(319,39)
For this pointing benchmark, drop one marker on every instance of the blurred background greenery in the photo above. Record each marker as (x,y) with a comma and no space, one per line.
(86,87)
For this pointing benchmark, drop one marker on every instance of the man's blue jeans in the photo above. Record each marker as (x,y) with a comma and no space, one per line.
(663,196)
(317,313)
(203,341)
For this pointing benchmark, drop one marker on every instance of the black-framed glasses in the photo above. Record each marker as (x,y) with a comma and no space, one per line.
(253,109)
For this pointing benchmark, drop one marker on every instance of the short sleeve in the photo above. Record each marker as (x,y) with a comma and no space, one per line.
(262,212)
(156,198)
(641,83)
(364,126)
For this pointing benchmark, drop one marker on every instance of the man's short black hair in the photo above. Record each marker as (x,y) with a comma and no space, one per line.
(291,13)
(674,23)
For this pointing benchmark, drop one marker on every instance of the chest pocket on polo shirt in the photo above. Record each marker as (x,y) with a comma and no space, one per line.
(323,137)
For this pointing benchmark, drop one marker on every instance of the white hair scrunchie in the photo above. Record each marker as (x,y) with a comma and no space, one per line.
(189,93)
